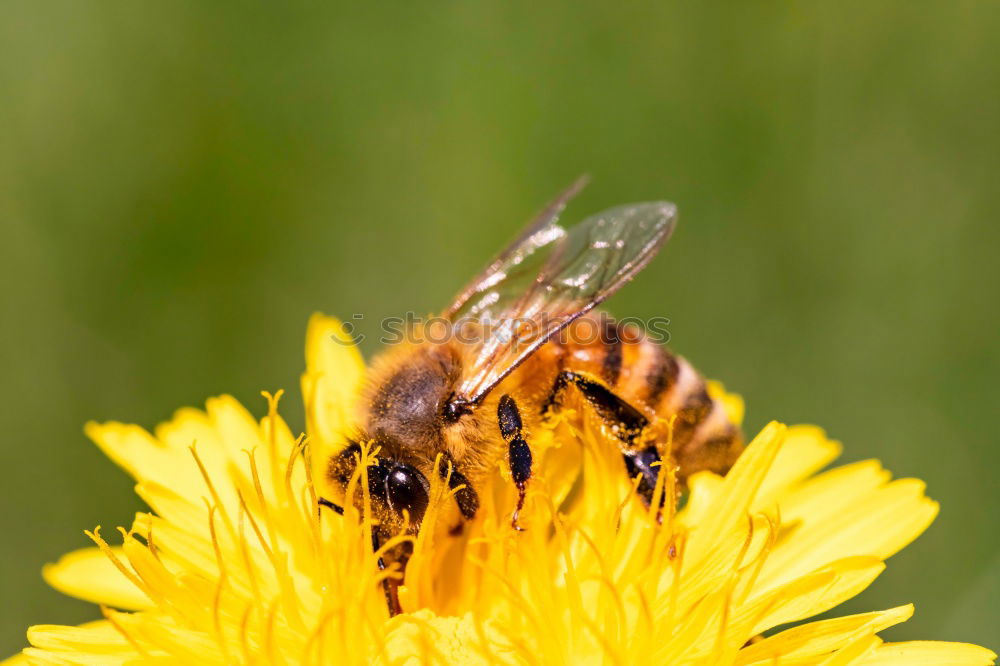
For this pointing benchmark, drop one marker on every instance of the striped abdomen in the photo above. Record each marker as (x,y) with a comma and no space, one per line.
(648,376)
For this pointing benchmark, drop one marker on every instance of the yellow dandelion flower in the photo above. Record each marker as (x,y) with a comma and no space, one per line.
(235,564)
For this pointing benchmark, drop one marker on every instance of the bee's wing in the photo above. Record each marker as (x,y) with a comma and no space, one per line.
(549,277)
(534,236)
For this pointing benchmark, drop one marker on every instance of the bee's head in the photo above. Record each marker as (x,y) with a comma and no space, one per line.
(403,414)
(399,491)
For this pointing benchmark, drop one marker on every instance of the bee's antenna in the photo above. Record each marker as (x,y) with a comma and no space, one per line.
(455,407)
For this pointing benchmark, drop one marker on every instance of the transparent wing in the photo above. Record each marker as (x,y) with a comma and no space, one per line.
(536,234)
(546,279)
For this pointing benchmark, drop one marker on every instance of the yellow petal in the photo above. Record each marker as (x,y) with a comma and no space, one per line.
(333,376)
(730,510)
(929,653)
(852,653)
(423,637)
(845,579)
(100,633)
(824,495)
(819,638)
(88,574)
(141,454)
(219,436)
(806,450)
(731,402)
(37,657)
(876,523)
(703,493)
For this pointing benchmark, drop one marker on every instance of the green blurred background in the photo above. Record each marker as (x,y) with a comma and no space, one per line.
(183,183)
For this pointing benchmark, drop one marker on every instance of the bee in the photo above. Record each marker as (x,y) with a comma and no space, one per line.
(518,338)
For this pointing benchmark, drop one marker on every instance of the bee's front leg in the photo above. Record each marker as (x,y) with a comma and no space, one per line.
(518,451)
(336,508)
(390,586)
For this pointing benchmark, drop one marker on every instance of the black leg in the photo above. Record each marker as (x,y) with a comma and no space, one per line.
(644,464)
(336,508)
(466,497)
(518,451)
(624,420)
(389,586)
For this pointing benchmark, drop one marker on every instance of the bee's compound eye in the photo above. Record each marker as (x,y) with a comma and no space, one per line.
(406,489)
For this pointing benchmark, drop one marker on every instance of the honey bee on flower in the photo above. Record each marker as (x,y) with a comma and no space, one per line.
(456,405)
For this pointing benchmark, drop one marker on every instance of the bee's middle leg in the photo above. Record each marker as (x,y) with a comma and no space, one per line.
(626,422)
(518,451)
